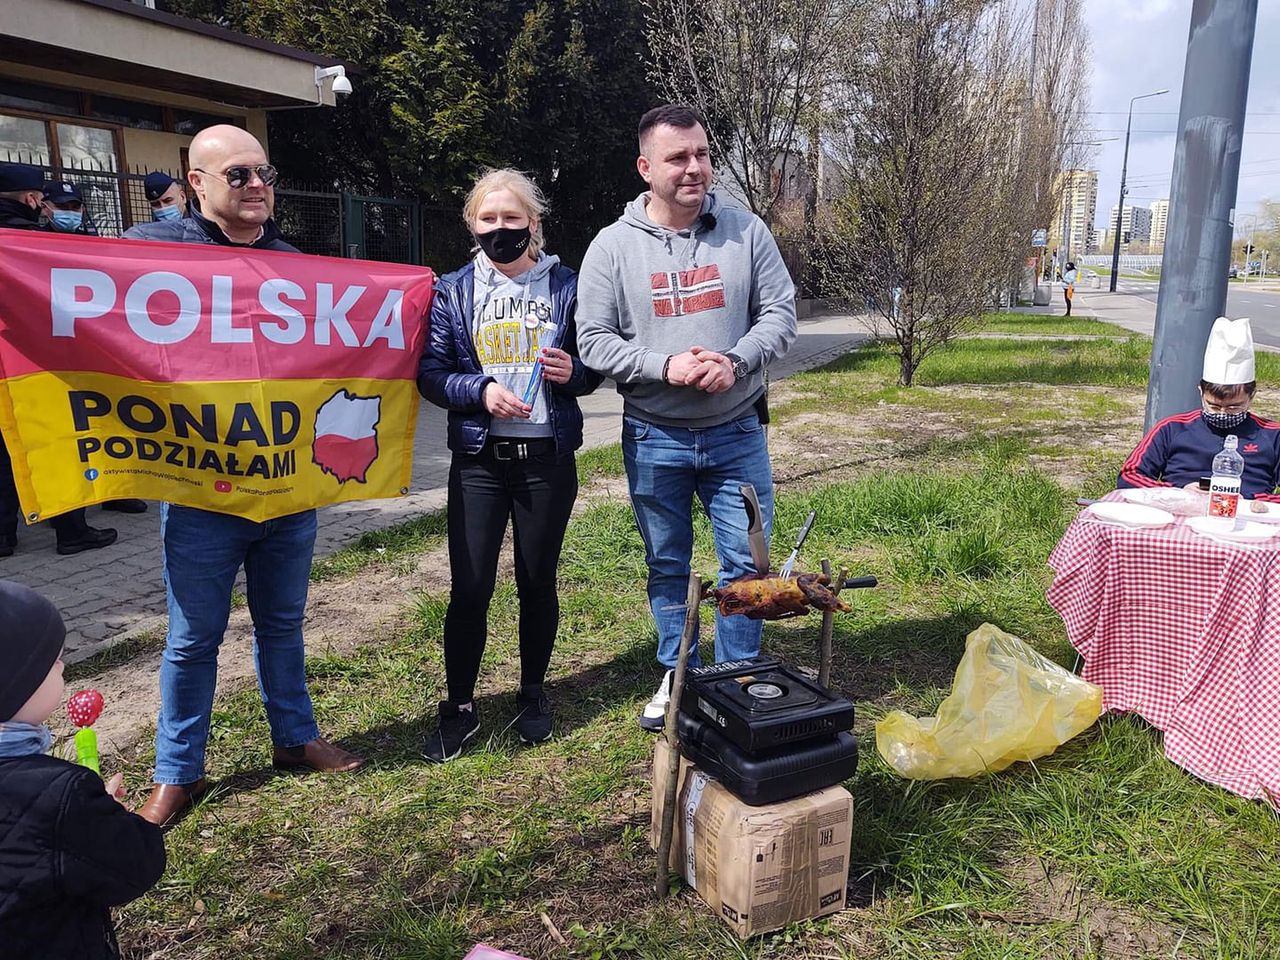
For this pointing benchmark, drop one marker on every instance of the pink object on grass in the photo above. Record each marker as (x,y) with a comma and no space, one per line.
(482,951)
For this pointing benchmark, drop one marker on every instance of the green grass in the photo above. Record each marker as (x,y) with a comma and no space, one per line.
(400,543)
(603,461)
(993,362)
(408,860)
(1032,324)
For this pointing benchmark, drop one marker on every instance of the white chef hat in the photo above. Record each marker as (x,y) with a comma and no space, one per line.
(1228,358)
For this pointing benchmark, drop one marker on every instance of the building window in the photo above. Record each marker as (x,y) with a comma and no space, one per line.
(24,140)
(35,96)
(61,101)
(191,122)
(127,113)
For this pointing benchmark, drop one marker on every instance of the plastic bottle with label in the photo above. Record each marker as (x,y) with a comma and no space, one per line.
(1224,486)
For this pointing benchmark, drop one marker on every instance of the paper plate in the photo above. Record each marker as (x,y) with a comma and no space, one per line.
(1166,498)
(1243,531)
(1270,512)
(1134,515)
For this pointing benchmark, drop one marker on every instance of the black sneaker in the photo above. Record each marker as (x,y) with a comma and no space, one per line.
(90,538)
(533,715)
(453,728)
(8,543)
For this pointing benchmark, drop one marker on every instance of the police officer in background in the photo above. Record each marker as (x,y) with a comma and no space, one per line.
(63,205)
(168,198)
(21,194)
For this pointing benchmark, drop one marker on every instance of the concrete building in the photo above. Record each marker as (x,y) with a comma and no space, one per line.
(112,87)
(1159,222)
(1135,222)
(1072,232)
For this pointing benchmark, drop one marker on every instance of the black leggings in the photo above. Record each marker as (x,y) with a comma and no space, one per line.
(537,494)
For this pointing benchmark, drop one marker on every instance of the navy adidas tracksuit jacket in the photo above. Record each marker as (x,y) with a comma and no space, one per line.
(1180,449)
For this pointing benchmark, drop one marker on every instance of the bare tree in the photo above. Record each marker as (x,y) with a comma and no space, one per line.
(752,67)
(1058,93)
(931,133)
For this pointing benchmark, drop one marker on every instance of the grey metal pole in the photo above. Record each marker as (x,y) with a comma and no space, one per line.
(1124,172)
(1206,169)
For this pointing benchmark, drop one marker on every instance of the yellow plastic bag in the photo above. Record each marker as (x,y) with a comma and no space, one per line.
(1007,703)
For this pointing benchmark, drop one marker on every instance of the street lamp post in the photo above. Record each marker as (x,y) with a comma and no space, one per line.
(1124,172)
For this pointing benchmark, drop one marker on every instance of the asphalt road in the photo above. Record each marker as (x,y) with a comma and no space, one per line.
(1262,307)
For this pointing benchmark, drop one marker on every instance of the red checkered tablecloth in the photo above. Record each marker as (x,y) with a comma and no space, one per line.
(1185,632)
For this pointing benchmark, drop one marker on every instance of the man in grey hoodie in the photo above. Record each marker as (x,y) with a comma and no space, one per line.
(684,302)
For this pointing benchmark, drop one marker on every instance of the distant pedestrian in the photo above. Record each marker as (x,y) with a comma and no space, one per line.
(1069,284)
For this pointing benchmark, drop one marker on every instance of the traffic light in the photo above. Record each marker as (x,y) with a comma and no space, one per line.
(1124,237)
(1248,249)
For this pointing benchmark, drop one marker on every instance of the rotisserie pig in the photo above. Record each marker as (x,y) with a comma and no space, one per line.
(772,598)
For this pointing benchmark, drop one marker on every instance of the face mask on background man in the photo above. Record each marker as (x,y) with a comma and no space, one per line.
(167,213)
(67,221)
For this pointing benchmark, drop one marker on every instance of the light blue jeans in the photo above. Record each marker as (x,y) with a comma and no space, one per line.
(666,466)
(203,551)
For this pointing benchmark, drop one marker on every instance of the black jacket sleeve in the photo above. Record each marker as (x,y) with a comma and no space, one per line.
(439,378)
(105,854)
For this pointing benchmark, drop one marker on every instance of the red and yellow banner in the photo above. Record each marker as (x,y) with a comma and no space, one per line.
(248,382)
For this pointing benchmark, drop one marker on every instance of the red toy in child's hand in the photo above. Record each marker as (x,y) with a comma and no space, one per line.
(84,707)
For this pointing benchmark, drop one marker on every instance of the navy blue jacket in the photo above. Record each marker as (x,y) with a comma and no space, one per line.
(68,853)
(1180,449)
(450,374)
(194,228)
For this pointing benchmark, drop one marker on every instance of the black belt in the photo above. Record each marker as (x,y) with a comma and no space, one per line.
(520,449)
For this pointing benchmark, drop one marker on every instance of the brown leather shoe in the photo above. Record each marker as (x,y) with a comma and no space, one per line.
(168,801)
(318,754)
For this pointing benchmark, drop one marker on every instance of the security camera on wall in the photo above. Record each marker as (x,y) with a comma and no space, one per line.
(340,82)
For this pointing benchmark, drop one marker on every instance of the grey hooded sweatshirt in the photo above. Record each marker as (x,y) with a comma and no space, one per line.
(646,292)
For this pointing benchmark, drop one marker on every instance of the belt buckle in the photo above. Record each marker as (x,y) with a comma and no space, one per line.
(521,451)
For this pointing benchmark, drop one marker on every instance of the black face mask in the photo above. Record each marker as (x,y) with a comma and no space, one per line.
(1224,421)
(504,245)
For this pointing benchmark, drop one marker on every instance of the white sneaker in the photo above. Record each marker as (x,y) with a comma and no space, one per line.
(654,715)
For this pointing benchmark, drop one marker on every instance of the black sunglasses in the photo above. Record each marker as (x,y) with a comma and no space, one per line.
(238,177)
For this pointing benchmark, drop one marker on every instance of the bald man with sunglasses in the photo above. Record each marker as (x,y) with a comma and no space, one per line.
(203,550)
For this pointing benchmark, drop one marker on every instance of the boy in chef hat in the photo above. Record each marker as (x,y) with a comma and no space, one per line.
(1180,449)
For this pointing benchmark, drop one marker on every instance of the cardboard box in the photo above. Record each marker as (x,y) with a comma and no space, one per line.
(759,868)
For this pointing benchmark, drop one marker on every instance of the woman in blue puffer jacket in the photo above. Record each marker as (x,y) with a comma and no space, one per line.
(501,357)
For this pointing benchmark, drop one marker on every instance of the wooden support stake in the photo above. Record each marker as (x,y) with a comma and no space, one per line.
(828,627)
(672,733)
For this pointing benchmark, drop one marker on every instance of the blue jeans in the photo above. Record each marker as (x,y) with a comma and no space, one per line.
(666,466)
(203,552)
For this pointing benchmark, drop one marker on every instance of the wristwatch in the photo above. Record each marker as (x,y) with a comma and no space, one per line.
(739,366)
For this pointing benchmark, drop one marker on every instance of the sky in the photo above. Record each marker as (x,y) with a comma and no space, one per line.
(1140,46)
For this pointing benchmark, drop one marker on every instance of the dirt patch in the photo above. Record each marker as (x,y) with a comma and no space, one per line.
(1112,929)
